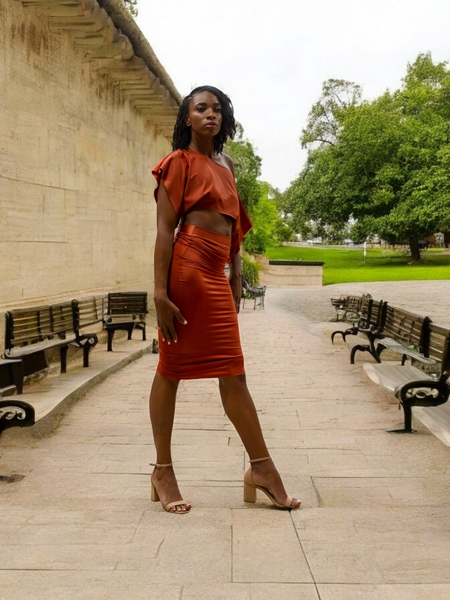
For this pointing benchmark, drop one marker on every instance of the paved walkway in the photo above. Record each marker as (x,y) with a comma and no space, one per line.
(375,522)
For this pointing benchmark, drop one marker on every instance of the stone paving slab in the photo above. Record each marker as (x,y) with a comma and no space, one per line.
(375,522)
(384,592)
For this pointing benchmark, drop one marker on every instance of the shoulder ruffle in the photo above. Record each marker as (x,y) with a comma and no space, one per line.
(173,171)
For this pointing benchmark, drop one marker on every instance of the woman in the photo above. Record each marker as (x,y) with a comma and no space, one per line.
(196,305)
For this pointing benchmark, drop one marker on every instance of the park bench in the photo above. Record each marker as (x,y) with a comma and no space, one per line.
(398,330)
(30,332)
(250,292)
(348,308)
(421,383)
(125,311)
(360,336)
(404,333)
(87,312)
(362,320)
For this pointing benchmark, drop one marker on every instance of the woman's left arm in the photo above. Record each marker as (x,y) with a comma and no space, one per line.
(235,265)
(236,280)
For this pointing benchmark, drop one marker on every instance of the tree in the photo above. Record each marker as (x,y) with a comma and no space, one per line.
(259,198)
(131,5)
(384,162)
(324,117)
(268,227)
(247,168)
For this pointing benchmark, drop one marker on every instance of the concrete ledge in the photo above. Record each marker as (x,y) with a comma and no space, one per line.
(53,395)
(296,263)
(294,273)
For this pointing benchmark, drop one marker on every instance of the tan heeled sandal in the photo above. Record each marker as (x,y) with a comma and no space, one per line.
(155,496)
(250,488)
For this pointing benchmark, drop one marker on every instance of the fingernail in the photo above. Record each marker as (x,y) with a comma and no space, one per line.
(185,323)
(175,341)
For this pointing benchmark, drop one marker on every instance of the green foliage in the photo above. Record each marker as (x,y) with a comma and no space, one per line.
(324,117)
(348,265)
(131,6)
(268,227)
(385,163)
(247,168)
(250,269)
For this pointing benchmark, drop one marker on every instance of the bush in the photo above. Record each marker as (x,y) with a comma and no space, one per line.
(250,269)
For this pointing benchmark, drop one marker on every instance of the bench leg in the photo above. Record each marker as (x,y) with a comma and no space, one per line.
(130,331)
(86,348)
(110,339)
(407,410)
(144,334)
(335,333)
(63,356)
(353,351)
(17,375)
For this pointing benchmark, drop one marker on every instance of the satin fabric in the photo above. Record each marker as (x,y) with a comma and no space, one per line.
(209,345)
(195,181)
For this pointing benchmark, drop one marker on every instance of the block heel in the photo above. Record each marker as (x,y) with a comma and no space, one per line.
(250,488)
(155,495)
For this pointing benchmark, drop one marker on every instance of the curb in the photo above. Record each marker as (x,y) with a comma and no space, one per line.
(50,421)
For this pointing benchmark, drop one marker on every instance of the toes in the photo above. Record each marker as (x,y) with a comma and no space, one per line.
(180,508)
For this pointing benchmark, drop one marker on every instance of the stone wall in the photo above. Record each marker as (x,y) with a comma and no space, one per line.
(77,214)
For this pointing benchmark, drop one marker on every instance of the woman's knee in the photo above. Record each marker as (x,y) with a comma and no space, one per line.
(163,384)
(232,383)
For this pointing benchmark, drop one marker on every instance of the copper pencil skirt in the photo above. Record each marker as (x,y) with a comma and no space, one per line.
(209,345)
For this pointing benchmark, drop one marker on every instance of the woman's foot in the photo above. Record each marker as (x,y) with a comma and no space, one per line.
(164,481)
(265,475)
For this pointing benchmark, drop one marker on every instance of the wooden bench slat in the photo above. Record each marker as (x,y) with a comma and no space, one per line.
(393,376)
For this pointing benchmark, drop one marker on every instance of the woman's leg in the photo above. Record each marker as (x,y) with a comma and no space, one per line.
(241,411)
(162,412)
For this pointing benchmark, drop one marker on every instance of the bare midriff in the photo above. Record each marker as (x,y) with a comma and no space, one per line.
(211,220)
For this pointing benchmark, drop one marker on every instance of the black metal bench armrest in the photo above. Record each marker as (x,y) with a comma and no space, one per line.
(15,413)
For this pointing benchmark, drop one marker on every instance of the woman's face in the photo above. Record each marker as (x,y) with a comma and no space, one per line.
(205,114)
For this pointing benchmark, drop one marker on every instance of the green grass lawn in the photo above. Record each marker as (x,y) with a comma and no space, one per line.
(345,265)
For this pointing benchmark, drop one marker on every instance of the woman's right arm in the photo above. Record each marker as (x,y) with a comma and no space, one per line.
(166,310)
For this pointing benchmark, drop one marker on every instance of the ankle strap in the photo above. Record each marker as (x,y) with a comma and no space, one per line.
(260,459)
(159,465)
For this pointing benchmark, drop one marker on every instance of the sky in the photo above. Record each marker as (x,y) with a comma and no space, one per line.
(271,57)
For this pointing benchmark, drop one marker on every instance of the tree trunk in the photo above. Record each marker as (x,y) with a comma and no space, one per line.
(414,248)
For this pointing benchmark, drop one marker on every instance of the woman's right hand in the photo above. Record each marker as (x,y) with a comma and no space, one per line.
(166,311)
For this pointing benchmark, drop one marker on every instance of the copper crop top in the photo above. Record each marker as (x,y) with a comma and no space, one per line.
(193,180)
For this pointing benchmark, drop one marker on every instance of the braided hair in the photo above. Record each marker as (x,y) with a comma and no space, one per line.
(182,133)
